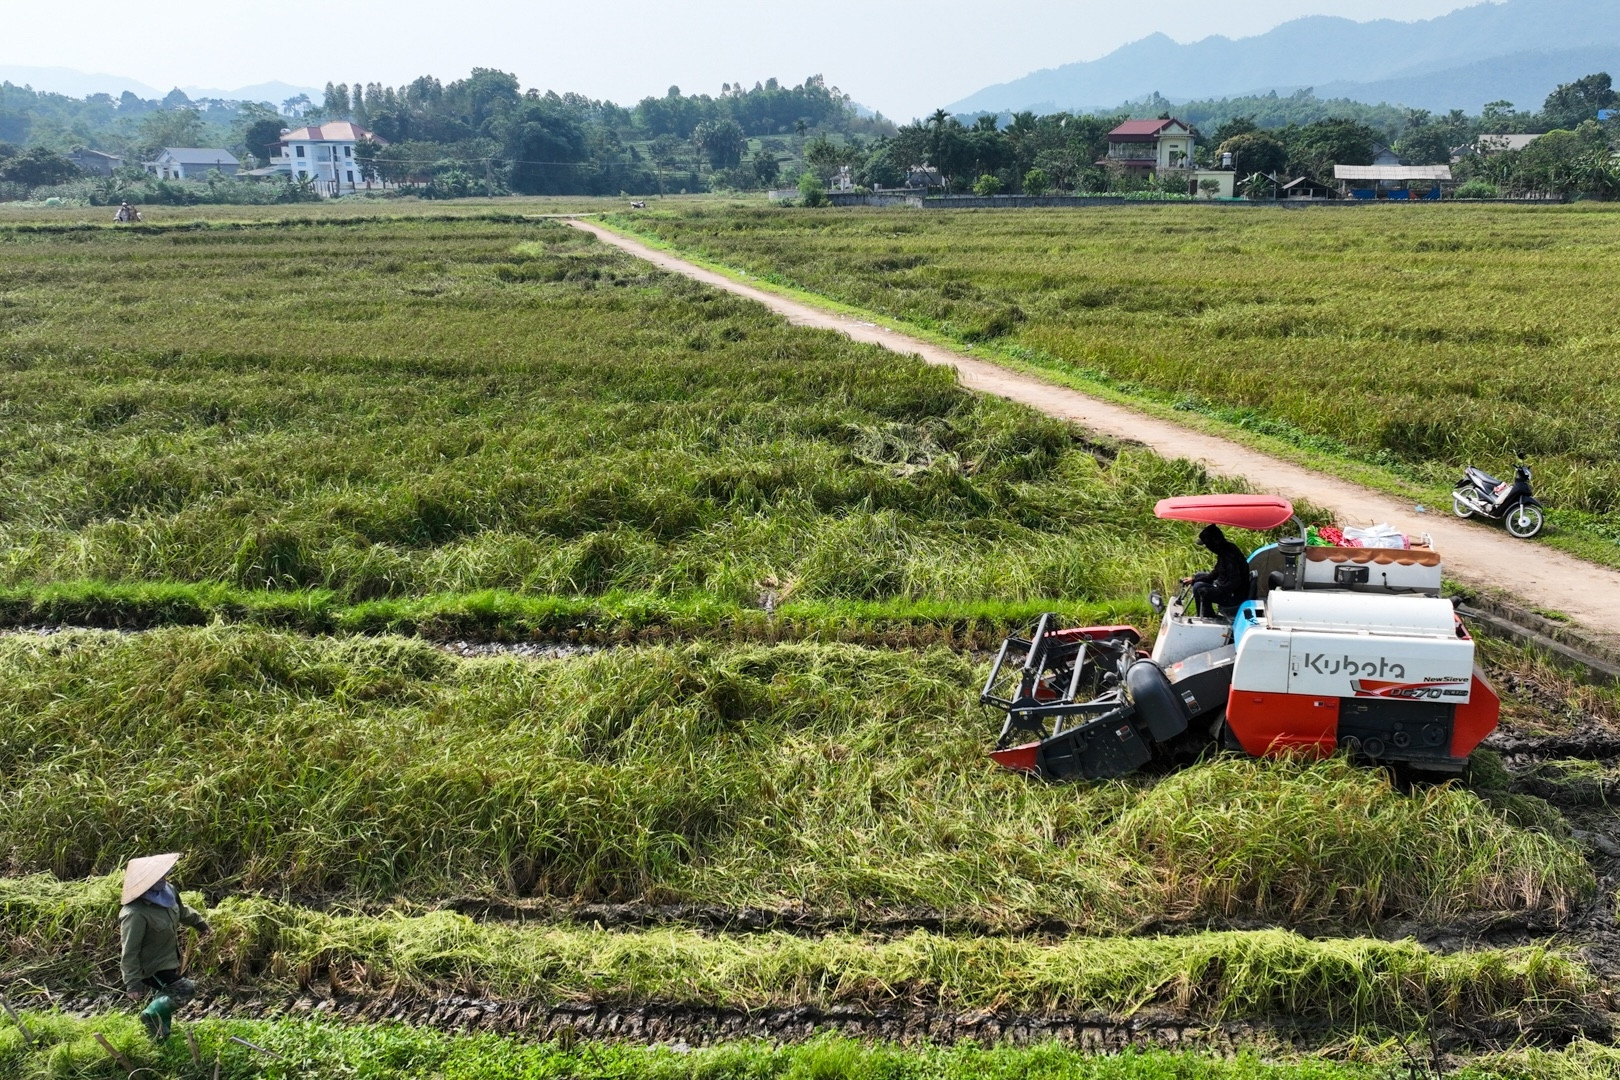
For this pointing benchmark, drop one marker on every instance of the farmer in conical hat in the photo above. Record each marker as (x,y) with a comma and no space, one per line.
(148,929)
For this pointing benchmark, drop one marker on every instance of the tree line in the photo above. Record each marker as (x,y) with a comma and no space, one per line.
(1270,138)
(484,134)
(481,134)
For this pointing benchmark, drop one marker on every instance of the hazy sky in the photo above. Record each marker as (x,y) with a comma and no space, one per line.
(903,57)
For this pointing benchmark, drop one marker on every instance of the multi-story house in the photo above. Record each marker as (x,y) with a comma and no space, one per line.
(1150,146)
(323,154)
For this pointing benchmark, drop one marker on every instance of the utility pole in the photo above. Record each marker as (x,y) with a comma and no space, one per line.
(489,178)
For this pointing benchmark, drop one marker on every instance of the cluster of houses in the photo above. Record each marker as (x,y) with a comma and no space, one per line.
(325,155)
(321,154)
(1163,147)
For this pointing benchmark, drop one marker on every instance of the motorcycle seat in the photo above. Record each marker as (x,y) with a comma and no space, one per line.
(1484,477)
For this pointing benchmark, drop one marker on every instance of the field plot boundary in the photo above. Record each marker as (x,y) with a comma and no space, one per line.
(1535,576)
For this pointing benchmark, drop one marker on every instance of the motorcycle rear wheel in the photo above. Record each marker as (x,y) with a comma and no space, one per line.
(1459,507)
(1523,520)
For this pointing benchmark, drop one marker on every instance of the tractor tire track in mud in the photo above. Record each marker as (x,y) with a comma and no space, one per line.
(1590,744)
(686,1026)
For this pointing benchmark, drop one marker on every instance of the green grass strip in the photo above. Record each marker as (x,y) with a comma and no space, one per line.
(1215,975)
(66,1046)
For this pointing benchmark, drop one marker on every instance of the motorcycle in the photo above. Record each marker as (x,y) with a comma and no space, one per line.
(1511,503)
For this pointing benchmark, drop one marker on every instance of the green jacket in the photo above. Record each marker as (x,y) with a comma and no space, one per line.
(149,934)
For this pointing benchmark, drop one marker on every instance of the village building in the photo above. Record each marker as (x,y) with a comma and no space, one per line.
(1304,187)
(1393,181)
(323,154)
(94,162)
(1486,145)
(1225,181)
(1145,147)
(192,163)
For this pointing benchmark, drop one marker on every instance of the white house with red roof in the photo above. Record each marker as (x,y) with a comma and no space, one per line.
(1143,146)
(323,154)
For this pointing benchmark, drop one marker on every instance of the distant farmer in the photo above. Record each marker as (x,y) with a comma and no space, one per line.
(1228,582)
(127,214)
(148,928)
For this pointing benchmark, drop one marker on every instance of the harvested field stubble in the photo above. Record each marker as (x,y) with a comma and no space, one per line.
(834,777)
(1418,338)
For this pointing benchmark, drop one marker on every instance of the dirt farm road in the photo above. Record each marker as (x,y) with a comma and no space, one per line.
(1479,555)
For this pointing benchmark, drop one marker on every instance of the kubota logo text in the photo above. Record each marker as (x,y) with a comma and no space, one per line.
(1381,668)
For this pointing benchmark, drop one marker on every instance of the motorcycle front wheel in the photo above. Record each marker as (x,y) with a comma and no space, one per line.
(1524,521)
(1459,507)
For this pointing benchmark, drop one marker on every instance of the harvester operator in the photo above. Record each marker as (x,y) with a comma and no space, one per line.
(148,930)
(1228,582)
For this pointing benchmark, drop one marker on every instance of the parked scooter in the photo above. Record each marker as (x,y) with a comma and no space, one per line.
(1511,503)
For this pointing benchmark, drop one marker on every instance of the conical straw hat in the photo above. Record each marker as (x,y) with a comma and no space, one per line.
(143,873)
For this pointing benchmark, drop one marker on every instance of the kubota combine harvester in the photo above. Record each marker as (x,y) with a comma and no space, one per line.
(1335,647)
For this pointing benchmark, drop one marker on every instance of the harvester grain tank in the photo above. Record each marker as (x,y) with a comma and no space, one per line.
(1347,648)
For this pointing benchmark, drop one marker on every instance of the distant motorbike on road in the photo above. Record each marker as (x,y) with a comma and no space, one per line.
(1512,503)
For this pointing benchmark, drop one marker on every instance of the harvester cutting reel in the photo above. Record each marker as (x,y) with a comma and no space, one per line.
(1087,703)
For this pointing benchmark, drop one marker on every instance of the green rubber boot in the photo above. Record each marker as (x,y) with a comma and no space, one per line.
(156,1017)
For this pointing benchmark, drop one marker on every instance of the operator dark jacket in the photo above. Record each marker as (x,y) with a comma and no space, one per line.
(1231,574)
(150,936)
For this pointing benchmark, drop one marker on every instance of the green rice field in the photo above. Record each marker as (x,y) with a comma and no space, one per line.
(1407,340)
(488,617)
(404,409)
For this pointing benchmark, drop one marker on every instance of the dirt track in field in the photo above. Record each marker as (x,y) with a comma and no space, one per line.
(1480,556)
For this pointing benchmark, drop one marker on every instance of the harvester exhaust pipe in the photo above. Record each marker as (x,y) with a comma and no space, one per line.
(1291,547)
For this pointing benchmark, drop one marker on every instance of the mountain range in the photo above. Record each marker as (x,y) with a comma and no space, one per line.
(1517,50)
(78,84)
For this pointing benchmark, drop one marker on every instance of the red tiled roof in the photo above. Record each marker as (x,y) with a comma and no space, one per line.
(331,131)
(1141,128)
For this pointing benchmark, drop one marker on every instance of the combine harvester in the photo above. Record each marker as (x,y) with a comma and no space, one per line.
(1336,648)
